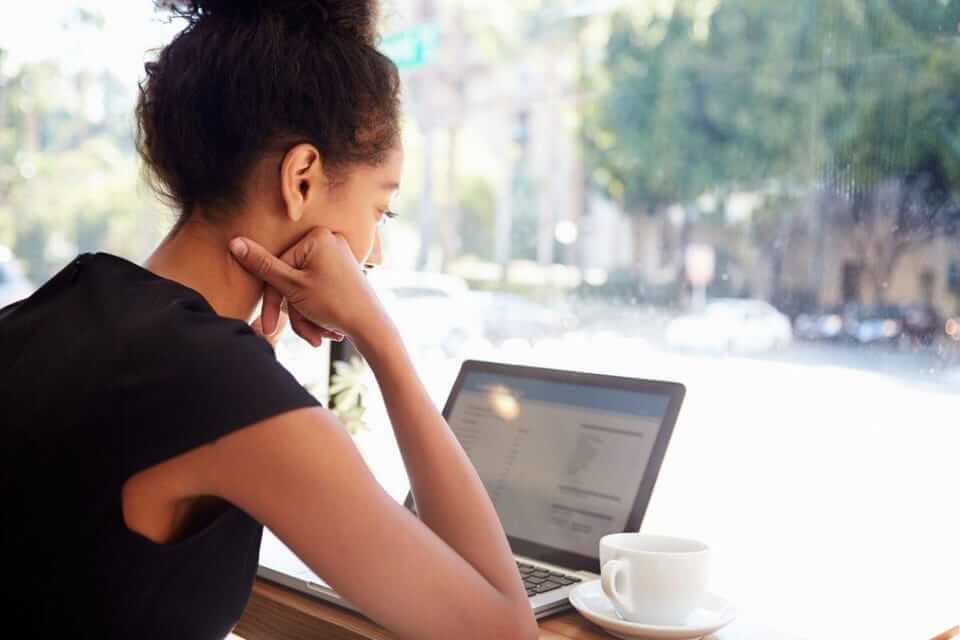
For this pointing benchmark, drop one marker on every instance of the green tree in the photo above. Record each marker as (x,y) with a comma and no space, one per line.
(65,185)
(896,139)
(784,99)
(692,104)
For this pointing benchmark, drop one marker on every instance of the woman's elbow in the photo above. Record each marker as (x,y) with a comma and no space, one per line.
(528,628)
(508,618)
(509,630)
(520,623)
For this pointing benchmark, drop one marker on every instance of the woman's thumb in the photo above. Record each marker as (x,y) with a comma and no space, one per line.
(265,266)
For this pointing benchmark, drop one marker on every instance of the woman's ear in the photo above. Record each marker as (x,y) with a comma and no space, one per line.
(301,176)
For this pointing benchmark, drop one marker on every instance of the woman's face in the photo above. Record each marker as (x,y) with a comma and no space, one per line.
(358,205)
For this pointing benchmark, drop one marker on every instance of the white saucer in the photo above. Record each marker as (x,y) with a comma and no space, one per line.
(588,598)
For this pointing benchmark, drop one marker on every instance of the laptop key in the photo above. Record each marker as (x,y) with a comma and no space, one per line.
(533,580)
(548,586)
(541,573)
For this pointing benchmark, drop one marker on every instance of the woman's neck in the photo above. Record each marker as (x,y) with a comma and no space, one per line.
(195,254)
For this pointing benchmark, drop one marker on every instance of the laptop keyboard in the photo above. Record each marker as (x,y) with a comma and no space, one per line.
(538,580)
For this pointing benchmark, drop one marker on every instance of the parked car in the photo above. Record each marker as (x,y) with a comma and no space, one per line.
(508,315)
(921,324)
(882,324)
(432,310)
(828,325)
(874,325)
(731,324)
(14,285)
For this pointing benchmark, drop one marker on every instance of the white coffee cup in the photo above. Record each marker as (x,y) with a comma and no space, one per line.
(650,579)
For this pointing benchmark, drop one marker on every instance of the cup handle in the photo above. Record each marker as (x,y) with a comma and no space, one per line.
(608,581)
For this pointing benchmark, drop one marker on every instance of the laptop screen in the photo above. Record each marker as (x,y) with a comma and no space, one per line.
(562,462)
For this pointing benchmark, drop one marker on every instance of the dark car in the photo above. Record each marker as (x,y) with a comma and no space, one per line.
(921,324)
(825,325)
(874,325)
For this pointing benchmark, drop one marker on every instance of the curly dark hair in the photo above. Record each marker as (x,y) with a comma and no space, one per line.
(248,77)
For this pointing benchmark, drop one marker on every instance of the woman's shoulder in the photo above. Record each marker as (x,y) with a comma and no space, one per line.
(154,322)
(188,376)
(150,312)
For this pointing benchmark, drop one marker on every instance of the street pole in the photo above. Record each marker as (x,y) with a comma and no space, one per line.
(504,217)
(422,82)
(425,205)
(451,219)
(456,75)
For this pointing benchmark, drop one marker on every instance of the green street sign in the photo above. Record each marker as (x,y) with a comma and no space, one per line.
(411,48)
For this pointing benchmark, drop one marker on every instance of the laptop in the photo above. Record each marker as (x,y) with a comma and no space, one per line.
(566,457)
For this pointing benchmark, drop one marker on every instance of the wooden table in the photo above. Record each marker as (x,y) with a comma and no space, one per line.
(277,613)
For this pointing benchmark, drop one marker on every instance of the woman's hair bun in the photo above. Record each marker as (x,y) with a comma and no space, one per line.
(246,78)
(354,18)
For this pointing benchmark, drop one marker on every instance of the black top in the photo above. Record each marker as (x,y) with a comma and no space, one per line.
(106,370)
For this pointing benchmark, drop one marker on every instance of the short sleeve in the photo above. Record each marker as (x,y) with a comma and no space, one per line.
(193,378)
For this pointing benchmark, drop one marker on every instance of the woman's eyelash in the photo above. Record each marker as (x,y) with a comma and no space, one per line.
(386,215)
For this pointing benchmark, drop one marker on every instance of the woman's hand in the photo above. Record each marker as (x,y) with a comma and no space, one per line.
(327,294)
(303,328)
(273,336)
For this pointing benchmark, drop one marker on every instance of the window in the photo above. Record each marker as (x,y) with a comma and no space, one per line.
(756,199)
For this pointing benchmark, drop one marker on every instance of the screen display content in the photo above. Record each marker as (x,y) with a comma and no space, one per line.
(562,462)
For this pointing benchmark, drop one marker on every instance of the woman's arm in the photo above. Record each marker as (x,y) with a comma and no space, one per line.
(449,574)
(300,475)
(449,495)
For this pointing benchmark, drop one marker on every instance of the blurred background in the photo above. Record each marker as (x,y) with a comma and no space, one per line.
(757,199)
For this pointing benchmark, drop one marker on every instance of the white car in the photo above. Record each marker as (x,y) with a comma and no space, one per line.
(731,324)
(432,310)
(508,315)
(14,285)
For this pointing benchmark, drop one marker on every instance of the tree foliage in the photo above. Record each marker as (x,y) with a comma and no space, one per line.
(68,182)
(845,96)
(851,90)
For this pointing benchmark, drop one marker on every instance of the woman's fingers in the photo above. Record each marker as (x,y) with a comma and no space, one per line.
(271,309)
(316,270)
(270,336)
(296,256)
(264,265)
(309,331)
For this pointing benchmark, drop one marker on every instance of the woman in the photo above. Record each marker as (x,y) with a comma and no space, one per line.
(149,431)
